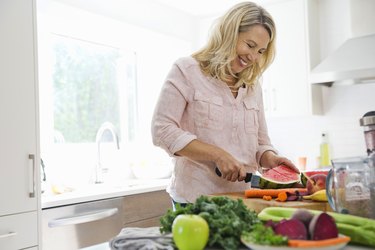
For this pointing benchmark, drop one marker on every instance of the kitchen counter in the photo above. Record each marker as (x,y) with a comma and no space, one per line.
(103,191)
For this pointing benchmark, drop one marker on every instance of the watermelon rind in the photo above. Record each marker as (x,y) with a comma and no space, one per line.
(265,183)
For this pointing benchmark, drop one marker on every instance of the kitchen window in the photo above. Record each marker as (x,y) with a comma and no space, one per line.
(94,69)
(88,88)
(84,84)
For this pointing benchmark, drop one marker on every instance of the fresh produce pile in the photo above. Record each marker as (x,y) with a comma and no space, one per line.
(360,230)
(227,219)
(304,225)
(284,184)
(303,229)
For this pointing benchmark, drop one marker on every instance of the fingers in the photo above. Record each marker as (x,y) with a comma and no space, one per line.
(230,176)
(290,165)
(294,168)
(234,174)
(242,174)
(286,162)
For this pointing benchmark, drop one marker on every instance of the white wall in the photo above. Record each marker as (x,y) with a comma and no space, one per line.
(343,105)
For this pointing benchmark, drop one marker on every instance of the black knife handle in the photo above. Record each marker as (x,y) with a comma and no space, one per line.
(247,178)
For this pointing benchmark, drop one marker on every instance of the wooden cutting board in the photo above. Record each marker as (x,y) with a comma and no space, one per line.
(258,204)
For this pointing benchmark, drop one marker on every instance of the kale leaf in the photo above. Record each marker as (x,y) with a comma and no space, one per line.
(264,235)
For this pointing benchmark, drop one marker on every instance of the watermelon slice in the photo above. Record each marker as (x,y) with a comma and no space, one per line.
(310,173)
(279,177)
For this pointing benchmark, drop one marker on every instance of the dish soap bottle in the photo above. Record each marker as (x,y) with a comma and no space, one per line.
(325,160)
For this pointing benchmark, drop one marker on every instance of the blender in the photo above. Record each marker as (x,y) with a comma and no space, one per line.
(368,124)
(350,184)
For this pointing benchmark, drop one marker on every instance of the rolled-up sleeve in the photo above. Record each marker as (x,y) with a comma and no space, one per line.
(166,128)
(263,138)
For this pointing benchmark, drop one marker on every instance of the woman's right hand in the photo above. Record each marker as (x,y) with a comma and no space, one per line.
(231,169)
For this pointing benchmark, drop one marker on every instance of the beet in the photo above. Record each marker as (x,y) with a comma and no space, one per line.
(292,228)
(303,215)
(323,226)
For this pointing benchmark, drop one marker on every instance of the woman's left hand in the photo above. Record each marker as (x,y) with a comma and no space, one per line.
(270,160)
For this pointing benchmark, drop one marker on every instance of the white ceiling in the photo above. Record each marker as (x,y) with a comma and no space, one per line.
(201,7)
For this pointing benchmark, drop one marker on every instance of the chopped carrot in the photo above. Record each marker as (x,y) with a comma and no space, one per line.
(259,193)
(318,243)
(282,196)
(267,197)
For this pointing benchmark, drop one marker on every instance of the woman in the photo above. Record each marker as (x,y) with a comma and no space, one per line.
(210,110)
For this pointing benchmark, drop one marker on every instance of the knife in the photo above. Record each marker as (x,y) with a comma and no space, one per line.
(252,178)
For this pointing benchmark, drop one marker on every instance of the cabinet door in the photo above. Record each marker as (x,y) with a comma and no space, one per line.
(18,139)
(18,231)
(286,88)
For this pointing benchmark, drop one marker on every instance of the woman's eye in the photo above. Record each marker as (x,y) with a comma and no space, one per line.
(250,46)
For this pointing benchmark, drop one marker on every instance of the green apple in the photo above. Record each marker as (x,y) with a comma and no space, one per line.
(190,232)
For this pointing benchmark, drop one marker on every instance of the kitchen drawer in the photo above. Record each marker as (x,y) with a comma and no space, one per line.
(81,225)
(145,210)
(19,231)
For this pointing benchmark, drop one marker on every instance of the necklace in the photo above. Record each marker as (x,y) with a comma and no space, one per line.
(233,89)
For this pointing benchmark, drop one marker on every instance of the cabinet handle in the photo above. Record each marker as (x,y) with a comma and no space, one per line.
(33,177)
(83,218)
(10,234)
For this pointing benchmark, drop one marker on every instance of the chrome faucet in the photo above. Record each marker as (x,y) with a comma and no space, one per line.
(99,170)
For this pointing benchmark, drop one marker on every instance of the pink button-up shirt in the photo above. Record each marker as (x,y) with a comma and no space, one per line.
(192,106)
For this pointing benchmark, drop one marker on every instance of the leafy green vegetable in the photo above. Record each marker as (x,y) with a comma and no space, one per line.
(263,235)
(227,219)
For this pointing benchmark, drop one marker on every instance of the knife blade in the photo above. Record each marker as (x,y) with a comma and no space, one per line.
(250,177)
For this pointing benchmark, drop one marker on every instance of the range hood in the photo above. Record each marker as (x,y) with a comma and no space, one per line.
(352,62)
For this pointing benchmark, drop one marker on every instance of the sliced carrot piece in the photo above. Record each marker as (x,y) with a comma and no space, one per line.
(318,243)
(267,197)
(259,193)
(282,196)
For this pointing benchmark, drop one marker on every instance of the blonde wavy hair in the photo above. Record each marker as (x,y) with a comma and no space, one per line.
(215,58)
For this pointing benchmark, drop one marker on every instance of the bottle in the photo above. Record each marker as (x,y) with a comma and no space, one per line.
(325,159)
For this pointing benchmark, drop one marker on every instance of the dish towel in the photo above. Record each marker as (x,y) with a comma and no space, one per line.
(136,238)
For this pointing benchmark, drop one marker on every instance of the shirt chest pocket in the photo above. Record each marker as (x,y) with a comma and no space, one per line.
(208,111)
(251,116)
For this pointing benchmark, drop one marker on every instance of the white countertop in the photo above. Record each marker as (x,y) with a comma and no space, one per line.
(104,191)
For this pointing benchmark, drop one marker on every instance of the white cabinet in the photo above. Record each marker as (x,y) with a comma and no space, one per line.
(19,153)
(286,89)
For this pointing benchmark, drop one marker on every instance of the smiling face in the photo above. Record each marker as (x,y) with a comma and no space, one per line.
(251,44)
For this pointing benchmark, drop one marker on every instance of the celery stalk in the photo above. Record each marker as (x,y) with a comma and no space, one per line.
(357,234)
